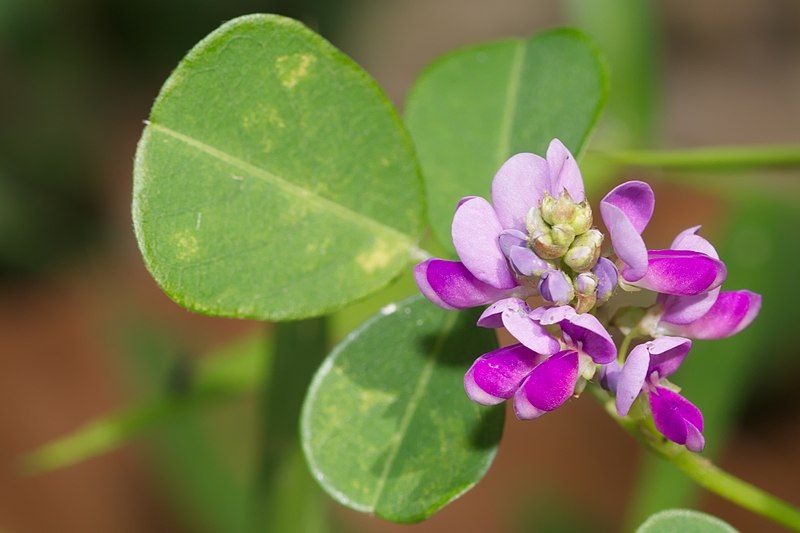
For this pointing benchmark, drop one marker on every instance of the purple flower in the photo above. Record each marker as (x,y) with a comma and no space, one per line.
(515,245)
(626,211)
(536,237)
(644,371)
(540,372)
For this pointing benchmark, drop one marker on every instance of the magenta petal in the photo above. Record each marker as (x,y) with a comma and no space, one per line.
(518,186)
(495,376)
(564,172)
(631,378)
(548,386)
(626,210)
(731,313)
(636,201)
(685,309)
(667,354)
(450,285)
(475,237)
(677,418)
(512,313)
(681,272)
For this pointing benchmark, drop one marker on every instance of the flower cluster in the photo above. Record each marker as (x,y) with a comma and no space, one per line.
(536,241)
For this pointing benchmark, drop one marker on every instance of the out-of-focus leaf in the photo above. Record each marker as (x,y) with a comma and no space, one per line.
(386,426)
(471,109)
(684,521)
(219,376)
(274,179)
(718,375)
(627,31)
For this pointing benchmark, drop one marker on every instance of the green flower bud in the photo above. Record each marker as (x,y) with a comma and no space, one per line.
(535,224)
(562,234)
(558,211)
(545,248)
(581,220)
(585,251)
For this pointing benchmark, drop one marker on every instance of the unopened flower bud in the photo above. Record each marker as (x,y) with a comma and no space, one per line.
(586,283)
(535,224)
(526,263)
(562,234)
(584,304)
(545,248)
(556,287)
(585,251)
(559,210)
(581,220)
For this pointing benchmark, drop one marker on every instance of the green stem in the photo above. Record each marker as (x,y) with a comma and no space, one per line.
(626,343)
(704,472)
(713,158)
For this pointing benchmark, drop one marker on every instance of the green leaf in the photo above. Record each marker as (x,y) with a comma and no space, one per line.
(274,179)
(386,426)
(684,521)
(472,109)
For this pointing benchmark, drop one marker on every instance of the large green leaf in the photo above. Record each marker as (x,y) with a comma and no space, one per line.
(386,426)
(274,179)
(684,521)
(472,109)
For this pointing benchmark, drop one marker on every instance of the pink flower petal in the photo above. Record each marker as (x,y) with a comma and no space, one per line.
(518,186)
(475,237)
(731,313)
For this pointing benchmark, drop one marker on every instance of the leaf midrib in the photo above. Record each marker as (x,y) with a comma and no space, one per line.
(308,196)
(512,97)
(411,408)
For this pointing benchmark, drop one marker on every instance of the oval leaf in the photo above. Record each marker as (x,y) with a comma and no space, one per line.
(274,179)
(684,521)
(472,109)
(386,426)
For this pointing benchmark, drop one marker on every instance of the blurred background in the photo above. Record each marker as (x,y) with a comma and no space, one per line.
(86,332)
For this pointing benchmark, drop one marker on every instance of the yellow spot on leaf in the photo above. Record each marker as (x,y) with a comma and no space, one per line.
(293,68)
(377,257)
(186,246)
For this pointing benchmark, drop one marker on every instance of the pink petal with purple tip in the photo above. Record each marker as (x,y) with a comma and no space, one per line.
(685,309)
(681,272)
(450,285)
(564,172)
(585,332)
(518,186)
(475,237)
(677,418)
(513,314)
(631,378)
(494,377)
(626,211)
(667,354)
(731,313)
(548,386)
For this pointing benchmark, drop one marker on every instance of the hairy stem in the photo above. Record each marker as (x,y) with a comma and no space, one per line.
(704,472)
